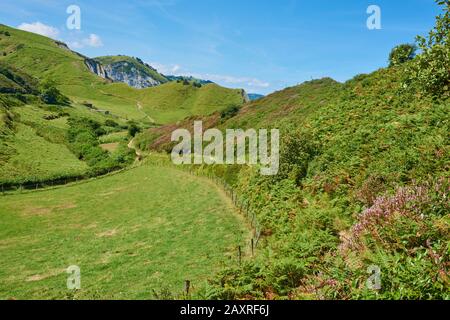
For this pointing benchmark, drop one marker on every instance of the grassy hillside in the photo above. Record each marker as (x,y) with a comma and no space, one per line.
(364,176)
(149,228)
(34,136)
(47,59)
(37,159)
(13,80)
(31,65)
(189,99)
(347,150)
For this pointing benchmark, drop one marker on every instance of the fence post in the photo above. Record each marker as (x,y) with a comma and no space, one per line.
(239,254)
(252,244)
(258,236)
(187,286)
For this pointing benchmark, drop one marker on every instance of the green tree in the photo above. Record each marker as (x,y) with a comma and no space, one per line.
(402,53)
(430,70)
(133,129)
(51,95)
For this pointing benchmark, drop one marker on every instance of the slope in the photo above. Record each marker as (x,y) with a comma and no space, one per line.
(50,60)
(363,182)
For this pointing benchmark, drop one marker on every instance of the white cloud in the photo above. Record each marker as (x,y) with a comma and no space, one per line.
(92,41)
(245,81)
(167,69)
(175,68)
(248,83)
(40,28)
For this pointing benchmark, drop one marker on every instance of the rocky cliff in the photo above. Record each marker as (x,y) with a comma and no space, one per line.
(132,71)
(124,72)
(95,67)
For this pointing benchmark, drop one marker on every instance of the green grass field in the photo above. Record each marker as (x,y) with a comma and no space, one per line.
(143,229)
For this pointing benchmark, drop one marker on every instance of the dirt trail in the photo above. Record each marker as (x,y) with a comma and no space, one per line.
(139,106)
(138,153)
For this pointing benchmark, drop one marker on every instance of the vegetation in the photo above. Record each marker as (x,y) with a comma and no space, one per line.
(133,129)
(51,95)
(429,71)
(363,182)
(82,137)
(46,59)
(35,121)
(151,228)
(229,112)
(402,54)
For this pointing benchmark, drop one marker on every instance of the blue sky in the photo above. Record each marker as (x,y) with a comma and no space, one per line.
(259,45)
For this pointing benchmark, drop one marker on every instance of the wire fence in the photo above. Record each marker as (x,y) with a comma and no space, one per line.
(13,187)
(243,206)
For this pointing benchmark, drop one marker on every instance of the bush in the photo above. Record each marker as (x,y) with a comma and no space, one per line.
(111,123)
(297,150)
(83,142)
(133,129)
(402,54)
(51,95)
(429,71)
(229,112)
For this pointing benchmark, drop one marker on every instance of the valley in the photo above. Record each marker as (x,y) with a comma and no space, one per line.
(360,182)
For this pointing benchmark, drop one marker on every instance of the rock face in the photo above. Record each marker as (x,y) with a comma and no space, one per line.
(245,96)
(97,68)
(129,74)
(129,70)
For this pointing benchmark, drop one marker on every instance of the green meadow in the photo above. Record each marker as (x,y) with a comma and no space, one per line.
(138,234)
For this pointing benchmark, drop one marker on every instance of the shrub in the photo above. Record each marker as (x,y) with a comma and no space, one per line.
(429,71)
(402,54)
(111,123)
(133,129)
(402,220)
(51,95)
(83,142)
(229,112)
(297,150)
